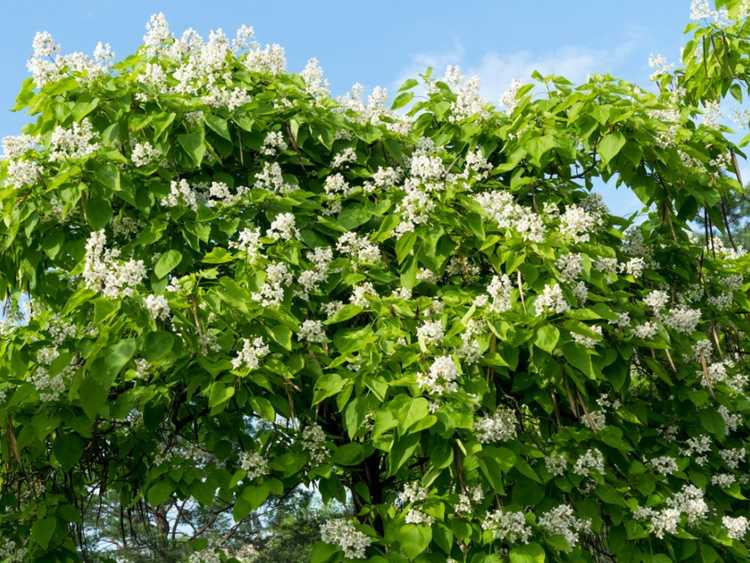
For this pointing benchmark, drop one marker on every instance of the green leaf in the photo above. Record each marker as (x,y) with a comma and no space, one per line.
(218,126)
(194,145)
(323,552)
(412,412)
(327,386)
(547,337)
(414,539)
(350,454)
(68,449)
(108,176)
(402,99)
(219,394)
(160,492)
(42,531)
(529,553)
(282,335)
(98,212)
(345,313)
(167,262)
(610,145)
(538,146)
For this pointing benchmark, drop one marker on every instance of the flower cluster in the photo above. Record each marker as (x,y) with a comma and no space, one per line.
(343,534)
(104,272)
(252,352)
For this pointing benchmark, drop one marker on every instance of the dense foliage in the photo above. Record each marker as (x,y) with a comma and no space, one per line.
(238,286)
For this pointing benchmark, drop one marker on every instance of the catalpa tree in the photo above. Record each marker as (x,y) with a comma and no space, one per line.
(235,285)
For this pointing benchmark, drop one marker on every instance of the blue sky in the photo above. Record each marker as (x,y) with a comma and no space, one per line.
(376,43)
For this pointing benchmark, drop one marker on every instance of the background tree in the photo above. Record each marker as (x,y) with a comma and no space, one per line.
(240,287)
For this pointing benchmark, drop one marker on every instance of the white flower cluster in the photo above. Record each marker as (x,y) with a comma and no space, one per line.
(416,516)
(663,465)
(594,420)
(23,173)
(321,258)
(469,101)
(283,227)
(556,464)
(430,333)
(105,273)
(732,458)
(551,300)
(180,192)
(736,527)
(700,445)
(144,154)
(688,501)
(412,492)
(586,340)
(509,98)
(591,460)
(467,500)
(349,539)
(577,223)
(158,307)
(499,289)
(507,526)
(315,81)
(271,293)
(731,420)
(562,521)
(358,247)
(501,208)
(344,157)
(311,331)
(314,443)
(440,378)
(271,178)
(362,293)
(273,143)
(254,464)
(570,266)
(252,352)
(249,243)
(499,427)
(48,65)
(76,141)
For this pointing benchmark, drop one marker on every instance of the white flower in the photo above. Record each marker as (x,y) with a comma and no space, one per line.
(23,173)
(570,266)
(431,332)
(271,178)
(315,81)
(592,460)
(416,516)
(254,465)
(562,521)
(441,377)
(656,300)
(271,59)
(273,143)
(157,31)
(311,331)
(344,157)
(252,352)
(76,141)
(362,293)
(585,340)
(646,330)
(664,465)
(500,289)
(158,307)
(343,534)
(507,526)
(180,192)
(18,145)
(577,223)
(556,464)
(594,420)
(249,243)
(551,300)
(271,293)
(105,273)
(358,247)
(736,527)
(509,97)
(144,154)
(314,443)
(683,319)
(283,227)
(499,427)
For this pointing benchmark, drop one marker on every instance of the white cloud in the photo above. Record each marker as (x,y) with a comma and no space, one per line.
(497,70)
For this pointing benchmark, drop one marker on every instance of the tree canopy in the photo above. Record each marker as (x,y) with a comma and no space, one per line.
(225,286)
